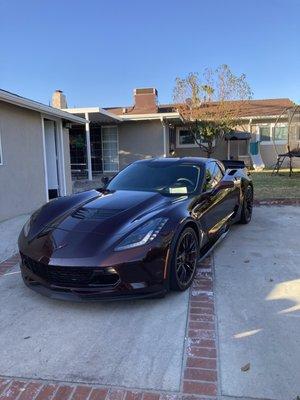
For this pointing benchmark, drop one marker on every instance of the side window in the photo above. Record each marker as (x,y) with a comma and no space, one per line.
(213,175)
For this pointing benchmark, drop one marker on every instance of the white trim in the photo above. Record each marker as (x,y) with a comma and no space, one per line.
(164,136)
(45,159)
(34,105)
(61,160)
(261,117)
(153,116)
(84,110)
(178,144)
(88,148)
(1,153)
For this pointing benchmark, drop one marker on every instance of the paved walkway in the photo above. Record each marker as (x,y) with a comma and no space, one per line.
(257,271)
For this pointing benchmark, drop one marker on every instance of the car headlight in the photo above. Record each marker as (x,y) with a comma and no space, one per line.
(142,235)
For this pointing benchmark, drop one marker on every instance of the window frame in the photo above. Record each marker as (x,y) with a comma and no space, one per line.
(178,144)
(187,146)
(271,133)
(280,125)
(102,142)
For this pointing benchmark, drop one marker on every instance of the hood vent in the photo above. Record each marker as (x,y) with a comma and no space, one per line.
(95,213)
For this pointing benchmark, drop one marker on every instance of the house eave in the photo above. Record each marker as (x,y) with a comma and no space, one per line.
(23,102)
(154,116)
(92,110)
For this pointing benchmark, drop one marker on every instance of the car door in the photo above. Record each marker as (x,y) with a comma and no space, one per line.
(214,207)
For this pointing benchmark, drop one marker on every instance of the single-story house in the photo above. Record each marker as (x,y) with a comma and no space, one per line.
(34,154)
(116,136)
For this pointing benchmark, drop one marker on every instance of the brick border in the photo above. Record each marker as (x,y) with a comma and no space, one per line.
(8,264)
(277,202)
(199,380)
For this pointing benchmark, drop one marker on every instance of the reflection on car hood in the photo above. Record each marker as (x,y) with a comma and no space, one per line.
(112,212)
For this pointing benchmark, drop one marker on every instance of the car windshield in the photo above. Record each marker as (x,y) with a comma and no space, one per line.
(162,177)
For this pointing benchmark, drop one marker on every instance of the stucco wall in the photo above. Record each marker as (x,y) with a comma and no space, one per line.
(220,151)
(22,175)
(22,182)
(139,140)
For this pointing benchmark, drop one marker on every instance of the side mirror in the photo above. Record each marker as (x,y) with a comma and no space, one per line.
(105,180)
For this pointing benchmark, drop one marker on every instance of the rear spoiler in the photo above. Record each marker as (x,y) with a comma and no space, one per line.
(233,164)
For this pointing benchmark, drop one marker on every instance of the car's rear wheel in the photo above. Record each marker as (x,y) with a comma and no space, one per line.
(247,207)
(184,260)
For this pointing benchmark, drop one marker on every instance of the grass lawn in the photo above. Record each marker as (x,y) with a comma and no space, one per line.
(268,186)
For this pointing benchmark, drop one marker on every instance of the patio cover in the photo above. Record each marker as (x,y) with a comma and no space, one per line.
(237,135)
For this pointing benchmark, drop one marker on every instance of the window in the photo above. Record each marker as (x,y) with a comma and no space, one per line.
(213,175)
(268,133)
(1,157)
(157,176)
(281,132)
(110,152)
(264,133)
(185,138)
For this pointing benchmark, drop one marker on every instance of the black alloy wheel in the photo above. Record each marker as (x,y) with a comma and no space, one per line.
(246,214)
(184,263)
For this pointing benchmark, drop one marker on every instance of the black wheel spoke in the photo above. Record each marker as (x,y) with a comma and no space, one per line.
(186,258)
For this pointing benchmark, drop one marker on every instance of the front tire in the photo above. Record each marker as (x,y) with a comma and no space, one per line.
(184,261)
(247,206)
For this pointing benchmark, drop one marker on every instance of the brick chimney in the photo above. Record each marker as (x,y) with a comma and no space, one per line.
(59,100)
(145,100)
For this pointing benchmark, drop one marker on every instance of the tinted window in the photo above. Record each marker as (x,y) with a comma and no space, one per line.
(213,175)
(157,177)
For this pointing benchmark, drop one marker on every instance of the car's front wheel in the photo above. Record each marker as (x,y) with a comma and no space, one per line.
(184,260)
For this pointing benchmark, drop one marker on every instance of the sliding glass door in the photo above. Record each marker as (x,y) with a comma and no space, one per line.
(110,148)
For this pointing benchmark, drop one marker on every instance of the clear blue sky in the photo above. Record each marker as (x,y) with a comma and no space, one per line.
(97,51)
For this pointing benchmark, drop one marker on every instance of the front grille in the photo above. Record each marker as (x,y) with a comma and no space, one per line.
(72,276)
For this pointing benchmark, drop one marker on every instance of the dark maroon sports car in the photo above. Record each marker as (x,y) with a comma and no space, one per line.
(139,236)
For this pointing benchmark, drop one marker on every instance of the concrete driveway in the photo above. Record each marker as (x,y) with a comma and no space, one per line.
(257,283)
(166,347)
(9,232)
(136,344)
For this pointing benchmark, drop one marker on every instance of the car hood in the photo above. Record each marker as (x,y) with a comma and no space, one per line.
(112,212)
(85,232)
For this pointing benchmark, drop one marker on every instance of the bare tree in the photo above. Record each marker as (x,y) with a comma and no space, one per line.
(211,105)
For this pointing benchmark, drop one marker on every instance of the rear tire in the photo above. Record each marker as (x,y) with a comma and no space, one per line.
(246,213)
(184,261)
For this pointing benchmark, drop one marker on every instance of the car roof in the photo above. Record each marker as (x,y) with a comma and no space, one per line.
(177,160)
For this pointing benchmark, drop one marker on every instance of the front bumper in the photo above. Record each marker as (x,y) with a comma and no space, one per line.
(138,279)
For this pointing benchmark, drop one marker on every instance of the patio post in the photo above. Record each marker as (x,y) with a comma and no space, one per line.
(228,149)
(88,147)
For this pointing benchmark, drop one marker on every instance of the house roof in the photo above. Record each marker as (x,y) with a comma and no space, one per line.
(247,109)
(23,102)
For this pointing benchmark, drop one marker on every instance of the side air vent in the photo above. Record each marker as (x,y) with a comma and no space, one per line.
(94,213)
